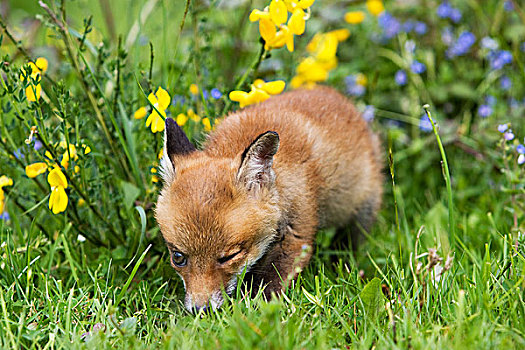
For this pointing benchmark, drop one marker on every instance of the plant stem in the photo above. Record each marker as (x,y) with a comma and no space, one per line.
(451,223)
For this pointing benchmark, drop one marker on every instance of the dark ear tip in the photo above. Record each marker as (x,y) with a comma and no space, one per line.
(170,122)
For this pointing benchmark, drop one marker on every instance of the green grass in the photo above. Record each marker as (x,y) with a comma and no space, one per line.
(444,266)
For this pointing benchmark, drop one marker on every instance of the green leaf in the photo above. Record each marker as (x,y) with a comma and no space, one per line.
(372,298)
(130,193)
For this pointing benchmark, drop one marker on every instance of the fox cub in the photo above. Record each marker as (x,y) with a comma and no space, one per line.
(266,180)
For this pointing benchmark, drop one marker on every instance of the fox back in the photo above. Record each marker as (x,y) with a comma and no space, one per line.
(266,180)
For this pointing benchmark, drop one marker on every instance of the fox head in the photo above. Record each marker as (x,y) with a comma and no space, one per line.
(218,216)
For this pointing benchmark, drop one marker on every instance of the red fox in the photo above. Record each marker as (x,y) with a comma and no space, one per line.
(266,180)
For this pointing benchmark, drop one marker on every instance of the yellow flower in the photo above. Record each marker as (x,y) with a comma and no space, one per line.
(361,79)
(160,100)
(355,17)
(58,199)
(33,92)
(297,22)
(323,49)
(304,4)
(67,154)
(194,89)
(193,116)
(260,91)
(267,30)
(36,169)
(278,12)
(207,124)
(271,87)
(4,181)
(140,113)
(375,7)
(181,119)
(87,149)
(41,64)
(154,177)
(81,202)
(256,15)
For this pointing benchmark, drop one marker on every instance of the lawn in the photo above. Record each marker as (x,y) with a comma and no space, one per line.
(82,92)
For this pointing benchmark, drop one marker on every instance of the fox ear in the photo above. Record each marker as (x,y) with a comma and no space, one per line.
(256,162)
(176,143)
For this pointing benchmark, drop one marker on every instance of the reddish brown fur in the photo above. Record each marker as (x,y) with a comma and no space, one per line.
(328,173)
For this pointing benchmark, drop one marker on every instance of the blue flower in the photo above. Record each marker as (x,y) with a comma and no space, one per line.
(425,124)
(503,127)
(490,100)
(489,43)
(353,88)
(455,15)
(5,216)
(368,113)
(462,45)
(418,67)
(498,59)
(508,5)
(215,93)
(408,26)
(444,9)
(390,25)
(484,111)
(177,99)
(420,28)
(505,83)
(401,77)
(520,149)
(18,154)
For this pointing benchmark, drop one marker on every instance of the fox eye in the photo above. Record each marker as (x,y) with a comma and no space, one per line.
(227,258)
(178,259)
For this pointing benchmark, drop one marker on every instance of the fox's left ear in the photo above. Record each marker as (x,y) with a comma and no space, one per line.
(176,143)
(256,162)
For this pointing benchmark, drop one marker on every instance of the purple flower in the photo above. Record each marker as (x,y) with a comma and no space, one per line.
(38,145)
(503,127)
(462,45)
(390,25)
(401,77)
(418,67)
(420,28)
(489,43)
(484,111)
(424,123)
(521,159)
(215,93)
(498,59)
(505,83)
(368,113)
(509,135)
(455,15)
(520,149)
(508,5)
(444,10)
